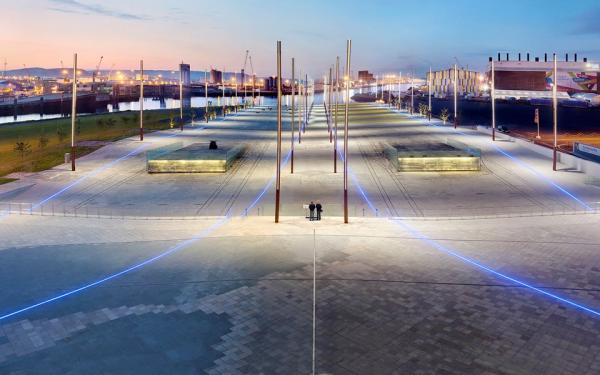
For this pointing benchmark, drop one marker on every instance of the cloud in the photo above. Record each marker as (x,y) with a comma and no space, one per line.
(77,6)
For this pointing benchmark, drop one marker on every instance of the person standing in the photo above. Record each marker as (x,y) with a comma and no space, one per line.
(319,209)
(311,208)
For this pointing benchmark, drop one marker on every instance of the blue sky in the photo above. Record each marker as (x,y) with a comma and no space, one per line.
(387,36)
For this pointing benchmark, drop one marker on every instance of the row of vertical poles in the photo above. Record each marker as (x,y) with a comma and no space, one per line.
(303,97)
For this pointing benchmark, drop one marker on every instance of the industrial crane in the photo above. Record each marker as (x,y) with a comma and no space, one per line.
(248,58)
(96,72)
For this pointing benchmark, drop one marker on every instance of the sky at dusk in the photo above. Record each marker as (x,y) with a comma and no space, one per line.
(387,36)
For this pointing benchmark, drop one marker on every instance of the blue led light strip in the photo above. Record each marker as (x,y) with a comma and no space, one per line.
(527,167)
(169,251)
(468,260)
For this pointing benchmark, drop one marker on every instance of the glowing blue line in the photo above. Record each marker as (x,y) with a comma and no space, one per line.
(110,277)
(527,167)
(482,266)
(169,251)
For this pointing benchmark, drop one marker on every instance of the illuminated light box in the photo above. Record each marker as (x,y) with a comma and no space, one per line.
(433,157)
(195,158)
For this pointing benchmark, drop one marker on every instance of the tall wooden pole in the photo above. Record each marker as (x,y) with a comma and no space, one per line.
(300,107)
(141,100)
(455,96)
(335,121)
(306,109)
(223,92)
(347,80)
(205,97)
(429,95)
(73,112)
(181,94)
(278,178)
(555,112)
(493,98)
(329,87)
(293,114)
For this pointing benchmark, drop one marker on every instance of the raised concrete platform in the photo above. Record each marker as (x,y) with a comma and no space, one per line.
(432,157)
(195,158)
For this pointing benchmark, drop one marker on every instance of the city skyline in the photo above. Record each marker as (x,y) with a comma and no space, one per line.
(407,37)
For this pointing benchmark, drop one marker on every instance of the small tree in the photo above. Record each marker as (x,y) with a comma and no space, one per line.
(22,148)
(125,119)
(423,109)
(171,120)
(100,123)
(444,115)
(111,122)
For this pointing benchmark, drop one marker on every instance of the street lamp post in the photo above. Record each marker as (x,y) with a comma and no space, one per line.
(555,112)
(73,112)
(141,100)
(348,53)
(278,182)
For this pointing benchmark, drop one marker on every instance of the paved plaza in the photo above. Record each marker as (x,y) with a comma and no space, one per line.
(437,272)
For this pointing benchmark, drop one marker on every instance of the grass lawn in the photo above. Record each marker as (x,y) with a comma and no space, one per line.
(38,145)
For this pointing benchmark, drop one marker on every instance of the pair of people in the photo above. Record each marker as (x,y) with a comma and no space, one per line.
(315,210)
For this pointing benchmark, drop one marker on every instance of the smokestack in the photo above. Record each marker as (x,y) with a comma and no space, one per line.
(545,57)
(566,57)
(519,56)
(498,56)
(575,57)
(527,56)
(585,59)
(490,59)
(537,59)
(507,57)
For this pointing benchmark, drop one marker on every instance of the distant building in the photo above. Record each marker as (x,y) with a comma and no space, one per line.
(469,82)
(538,76)
(365,76)
(185,72)
(270,84)
(216,76)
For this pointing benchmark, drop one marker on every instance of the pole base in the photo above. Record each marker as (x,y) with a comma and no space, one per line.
(73,158)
